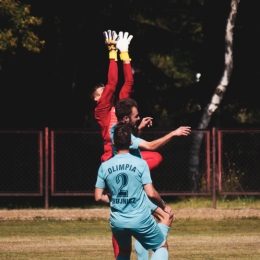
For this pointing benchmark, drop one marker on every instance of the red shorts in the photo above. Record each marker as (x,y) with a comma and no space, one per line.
(153,159)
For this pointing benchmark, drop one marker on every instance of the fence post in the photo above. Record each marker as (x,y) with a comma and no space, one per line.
(46,135)
(214,167)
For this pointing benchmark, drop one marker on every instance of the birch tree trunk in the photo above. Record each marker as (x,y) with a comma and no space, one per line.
(215,100)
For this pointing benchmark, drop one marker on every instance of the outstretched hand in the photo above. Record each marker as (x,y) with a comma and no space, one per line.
(183,130)
(111,38)
(123,41)
(146,122)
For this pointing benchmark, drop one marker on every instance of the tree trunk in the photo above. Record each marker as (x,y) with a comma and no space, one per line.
(215,100)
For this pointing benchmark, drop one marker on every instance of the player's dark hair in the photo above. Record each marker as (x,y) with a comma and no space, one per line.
(124,107)
(92,93)
(122,136)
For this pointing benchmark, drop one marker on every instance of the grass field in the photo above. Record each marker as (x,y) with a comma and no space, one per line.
(91,239)
(198,232)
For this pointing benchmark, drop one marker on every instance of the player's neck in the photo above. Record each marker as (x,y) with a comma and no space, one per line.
(123,151)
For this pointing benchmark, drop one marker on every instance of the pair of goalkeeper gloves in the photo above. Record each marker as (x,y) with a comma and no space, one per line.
(117,42)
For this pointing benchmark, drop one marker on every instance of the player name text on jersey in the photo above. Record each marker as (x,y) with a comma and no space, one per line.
(121,167)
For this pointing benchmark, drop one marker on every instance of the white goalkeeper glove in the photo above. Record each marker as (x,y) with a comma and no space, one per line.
(123,44)
(111,38)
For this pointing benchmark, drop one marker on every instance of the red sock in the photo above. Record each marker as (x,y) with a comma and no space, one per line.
(153,159)
(115,246)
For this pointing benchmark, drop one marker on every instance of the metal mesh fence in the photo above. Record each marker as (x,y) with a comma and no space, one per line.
(21,163)
(75,161)
(72,164)
(239,164)
(173,175)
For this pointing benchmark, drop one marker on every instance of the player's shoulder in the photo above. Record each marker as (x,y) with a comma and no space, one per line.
(135,138)
(136,159)
(108,162)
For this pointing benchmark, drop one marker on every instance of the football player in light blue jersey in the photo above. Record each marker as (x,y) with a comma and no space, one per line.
(127,112)
(129,181)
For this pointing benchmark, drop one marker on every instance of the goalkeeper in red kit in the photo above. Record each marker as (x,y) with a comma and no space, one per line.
(104,97)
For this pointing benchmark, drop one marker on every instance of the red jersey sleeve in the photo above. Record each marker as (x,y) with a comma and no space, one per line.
(104,104)
(126,90)
(103,109)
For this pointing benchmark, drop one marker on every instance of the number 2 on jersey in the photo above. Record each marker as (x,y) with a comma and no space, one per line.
(124,180)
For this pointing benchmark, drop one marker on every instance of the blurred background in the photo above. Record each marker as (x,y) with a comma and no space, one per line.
(50,65)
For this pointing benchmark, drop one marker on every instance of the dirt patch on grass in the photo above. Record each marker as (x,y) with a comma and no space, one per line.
(75,214)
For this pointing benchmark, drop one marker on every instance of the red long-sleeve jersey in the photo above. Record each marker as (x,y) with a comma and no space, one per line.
(105,111)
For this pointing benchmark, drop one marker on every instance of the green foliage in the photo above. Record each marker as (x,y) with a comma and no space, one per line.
(232,181)
(246,115)
(16,27)
(172,27)
(175,66)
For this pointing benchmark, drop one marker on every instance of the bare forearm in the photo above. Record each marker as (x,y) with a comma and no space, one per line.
(154,196)
(156,144)
(161,141)
(157,200)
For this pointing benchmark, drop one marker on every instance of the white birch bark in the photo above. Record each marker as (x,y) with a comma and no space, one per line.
(215,100)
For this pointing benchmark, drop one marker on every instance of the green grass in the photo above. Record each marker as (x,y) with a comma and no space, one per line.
(91,240)
(176,202)
(223,202)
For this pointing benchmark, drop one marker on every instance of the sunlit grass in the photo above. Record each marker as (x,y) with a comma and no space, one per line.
(222,202)
(196,202)
(176,202)
(91,239)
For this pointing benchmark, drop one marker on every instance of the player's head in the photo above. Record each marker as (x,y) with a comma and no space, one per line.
(97,92)
(127,111)
(122,136)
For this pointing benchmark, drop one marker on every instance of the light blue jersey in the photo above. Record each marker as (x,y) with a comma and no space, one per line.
(134,150)
(125,175)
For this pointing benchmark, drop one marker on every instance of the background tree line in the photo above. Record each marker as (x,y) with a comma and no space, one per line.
(52,53)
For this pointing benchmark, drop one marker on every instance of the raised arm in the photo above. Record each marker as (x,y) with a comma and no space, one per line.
(123,46)
(104,104)
(105,101)
(127,90)
(111,40)
(154,145)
